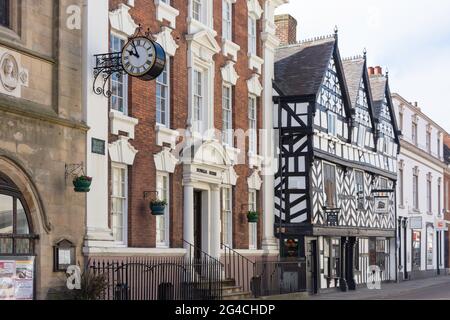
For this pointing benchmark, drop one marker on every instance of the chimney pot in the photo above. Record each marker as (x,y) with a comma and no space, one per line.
(371,71)
(378,70)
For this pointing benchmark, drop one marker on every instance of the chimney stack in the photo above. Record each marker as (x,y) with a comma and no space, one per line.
(378,71)
(286,29)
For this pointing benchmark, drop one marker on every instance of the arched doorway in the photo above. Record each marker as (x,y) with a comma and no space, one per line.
(17,244)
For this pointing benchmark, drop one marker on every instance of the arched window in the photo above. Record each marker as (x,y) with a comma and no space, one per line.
(16,235)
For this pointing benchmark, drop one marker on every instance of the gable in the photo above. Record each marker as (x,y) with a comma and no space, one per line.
(331,92)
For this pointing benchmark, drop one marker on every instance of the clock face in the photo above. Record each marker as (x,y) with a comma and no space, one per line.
(138,56)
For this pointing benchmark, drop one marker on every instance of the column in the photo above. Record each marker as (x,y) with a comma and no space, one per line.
(270,43)
(215,221)
(188,214)
(95,108)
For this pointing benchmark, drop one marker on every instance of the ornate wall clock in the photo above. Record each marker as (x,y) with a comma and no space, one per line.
(143,58)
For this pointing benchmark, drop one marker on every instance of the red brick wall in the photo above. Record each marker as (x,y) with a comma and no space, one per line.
(286,29)
(142,175)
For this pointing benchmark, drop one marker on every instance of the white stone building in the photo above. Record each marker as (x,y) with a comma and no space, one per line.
(419,192)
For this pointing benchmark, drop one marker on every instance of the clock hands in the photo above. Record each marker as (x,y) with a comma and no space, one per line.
(136,54)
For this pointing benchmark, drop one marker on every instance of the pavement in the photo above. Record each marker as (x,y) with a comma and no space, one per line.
(424,289)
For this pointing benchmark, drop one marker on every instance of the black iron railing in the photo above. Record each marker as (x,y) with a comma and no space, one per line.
(161,278)
(238,268)
(279,277)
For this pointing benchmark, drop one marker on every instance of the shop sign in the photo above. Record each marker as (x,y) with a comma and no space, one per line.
(415,223)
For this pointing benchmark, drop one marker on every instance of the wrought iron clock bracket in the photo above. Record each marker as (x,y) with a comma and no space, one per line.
(105,66)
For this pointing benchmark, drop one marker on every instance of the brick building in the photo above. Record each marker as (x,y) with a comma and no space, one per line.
(191,137)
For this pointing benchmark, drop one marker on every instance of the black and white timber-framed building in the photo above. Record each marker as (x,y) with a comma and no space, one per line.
(337,165)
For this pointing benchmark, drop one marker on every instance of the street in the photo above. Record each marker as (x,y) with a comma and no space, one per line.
(424,289)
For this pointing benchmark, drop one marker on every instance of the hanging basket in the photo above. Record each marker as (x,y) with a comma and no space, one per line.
(82,184)
(253,217)
(158,208)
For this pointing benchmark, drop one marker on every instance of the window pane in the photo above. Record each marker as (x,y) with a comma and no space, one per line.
(6,246)
(22,246)
(6,214)
(22,226)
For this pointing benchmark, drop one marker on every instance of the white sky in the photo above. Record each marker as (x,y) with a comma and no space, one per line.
(410,38)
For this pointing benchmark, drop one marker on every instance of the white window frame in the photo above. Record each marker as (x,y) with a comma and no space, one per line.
(199,96)
(253,227)
(227,115)
(124,76)
(200,14)
(401,180)
(252,35)
(227,20)
(160,176)
(124,170)
(429,194)
(227,216)
(414,132)
(167,98)
(331,123)
(361,141)
(253,124)
(415,186)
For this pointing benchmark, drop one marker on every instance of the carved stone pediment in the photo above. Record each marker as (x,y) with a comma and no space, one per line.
(121,151)
(229,73)
(122,21)
(165,39)
(254,181)
(165,161)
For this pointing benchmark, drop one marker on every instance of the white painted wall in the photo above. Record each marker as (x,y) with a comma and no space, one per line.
(412,159)
(95,41)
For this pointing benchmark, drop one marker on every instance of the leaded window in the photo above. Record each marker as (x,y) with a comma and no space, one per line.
(16,236)
(330,96)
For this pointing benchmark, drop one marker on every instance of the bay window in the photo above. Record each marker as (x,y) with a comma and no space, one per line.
(119,203)
(162,222)
(163,96)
